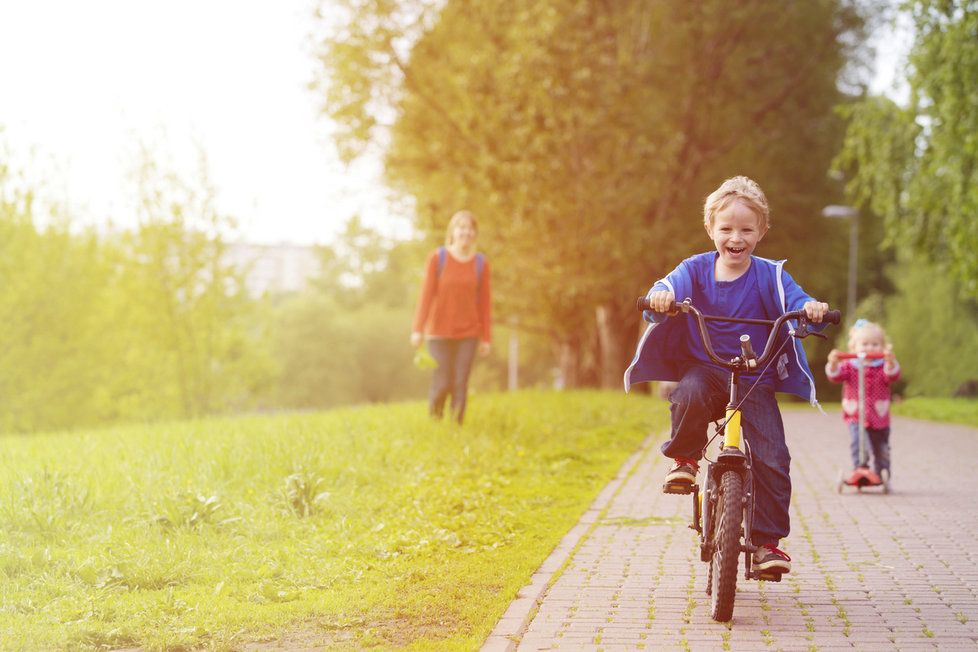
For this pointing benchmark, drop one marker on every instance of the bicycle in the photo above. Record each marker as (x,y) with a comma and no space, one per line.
(724,512)
(862,477)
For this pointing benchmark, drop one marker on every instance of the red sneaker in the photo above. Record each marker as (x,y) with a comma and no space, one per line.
(684,470)
(768,557)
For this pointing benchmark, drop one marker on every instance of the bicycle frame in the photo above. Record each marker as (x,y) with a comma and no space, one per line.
(733,526)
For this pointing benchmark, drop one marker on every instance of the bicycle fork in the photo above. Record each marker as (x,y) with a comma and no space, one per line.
(731,458)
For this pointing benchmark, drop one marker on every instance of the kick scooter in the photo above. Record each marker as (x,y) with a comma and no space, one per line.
(862,476)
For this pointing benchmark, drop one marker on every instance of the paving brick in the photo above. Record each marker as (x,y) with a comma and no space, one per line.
(870,571)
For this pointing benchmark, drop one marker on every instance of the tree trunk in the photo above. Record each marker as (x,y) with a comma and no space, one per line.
(569,358)
(616,342)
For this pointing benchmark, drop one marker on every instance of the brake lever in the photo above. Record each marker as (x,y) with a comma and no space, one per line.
(803,330)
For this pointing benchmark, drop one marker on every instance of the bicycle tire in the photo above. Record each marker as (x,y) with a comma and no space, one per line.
(708,529)
(723,565)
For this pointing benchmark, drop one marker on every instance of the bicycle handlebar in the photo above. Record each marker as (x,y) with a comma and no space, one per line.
(831,317)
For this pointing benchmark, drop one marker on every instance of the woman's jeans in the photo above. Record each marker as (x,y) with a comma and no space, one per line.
(454,358)
(879,443)
(701,397)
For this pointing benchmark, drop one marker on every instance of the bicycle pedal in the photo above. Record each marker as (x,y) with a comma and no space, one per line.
(767,576)
(683,488)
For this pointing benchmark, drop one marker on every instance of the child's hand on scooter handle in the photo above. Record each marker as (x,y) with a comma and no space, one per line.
(833,361)
(889,360)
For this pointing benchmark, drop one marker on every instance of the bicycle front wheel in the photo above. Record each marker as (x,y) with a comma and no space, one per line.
(727,530)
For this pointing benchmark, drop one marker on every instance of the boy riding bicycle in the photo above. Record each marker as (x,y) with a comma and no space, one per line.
(730,282)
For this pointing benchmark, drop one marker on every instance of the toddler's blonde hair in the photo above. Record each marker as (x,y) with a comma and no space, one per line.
(456,218)
(733,189)
(865,324)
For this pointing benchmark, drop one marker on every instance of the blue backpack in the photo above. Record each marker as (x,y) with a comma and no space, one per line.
(480,262)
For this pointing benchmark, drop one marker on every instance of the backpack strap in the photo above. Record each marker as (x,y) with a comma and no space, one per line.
(441,260)
(480,262)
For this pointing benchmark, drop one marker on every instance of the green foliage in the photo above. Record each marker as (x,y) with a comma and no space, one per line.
(137,325)
(936,340)
(187,510)
(878,156)
(423,360)
(919,166)
(185,319)
(584,136)
(427,533)
(330,355)
(304,493)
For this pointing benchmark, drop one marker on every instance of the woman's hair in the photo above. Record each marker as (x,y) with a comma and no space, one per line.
(865,324)
(456,218)
(734,189)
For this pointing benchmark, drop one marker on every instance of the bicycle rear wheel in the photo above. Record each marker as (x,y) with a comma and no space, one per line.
(728,518)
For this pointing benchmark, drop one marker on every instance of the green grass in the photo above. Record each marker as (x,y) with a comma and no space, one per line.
(358,527)
(953,410)
(947,410)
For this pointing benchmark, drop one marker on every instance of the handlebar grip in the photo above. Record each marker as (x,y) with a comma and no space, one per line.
(642,304)
(833,317)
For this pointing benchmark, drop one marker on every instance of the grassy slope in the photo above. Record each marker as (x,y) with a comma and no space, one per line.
(953,410)
(370,526)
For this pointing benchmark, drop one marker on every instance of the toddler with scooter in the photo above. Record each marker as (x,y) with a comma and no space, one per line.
(866,373)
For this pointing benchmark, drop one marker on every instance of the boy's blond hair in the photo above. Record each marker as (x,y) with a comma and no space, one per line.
(456,218)
(733,189)
(865,324)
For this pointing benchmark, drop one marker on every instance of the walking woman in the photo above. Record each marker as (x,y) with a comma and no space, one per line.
(454,313)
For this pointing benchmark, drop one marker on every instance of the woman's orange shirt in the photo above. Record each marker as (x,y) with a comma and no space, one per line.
(454,304)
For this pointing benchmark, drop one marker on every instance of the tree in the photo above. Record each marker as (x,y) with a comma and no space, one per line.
(184,319)
(345,340)
(585,135)
(49,335)
(918,166)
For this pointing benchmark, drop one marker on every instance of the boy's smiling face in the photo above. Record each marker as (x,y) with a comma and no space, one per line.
(736,230)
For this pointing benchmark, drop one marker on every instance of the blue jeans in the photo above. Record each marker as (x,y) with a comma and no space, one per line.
(454,358)
(701,397)
(879,444)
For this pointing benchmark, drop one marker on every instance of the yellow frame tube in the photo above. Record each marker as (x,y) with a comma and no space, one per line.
(731,432)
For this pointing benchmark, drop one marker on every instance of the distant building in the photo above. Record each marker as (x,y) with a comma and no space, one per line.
(274,268)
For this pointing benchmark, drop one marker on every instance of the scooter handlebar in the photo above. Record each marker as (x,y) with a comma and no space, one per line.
(868,356)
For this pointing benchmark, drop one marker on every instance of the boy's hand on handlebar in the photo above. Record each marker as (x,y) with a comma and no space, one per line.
(815,311)
(662,301)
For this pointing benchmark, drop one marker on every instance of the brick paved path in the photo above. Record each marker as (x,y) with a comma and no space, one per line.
(870,571)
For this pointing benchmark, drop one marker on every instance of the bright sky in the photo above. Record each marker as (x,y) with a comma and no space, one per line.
(83,83)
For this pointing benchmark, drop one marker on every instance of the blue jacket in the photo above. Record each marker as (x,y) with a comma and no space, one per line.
(663,350)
